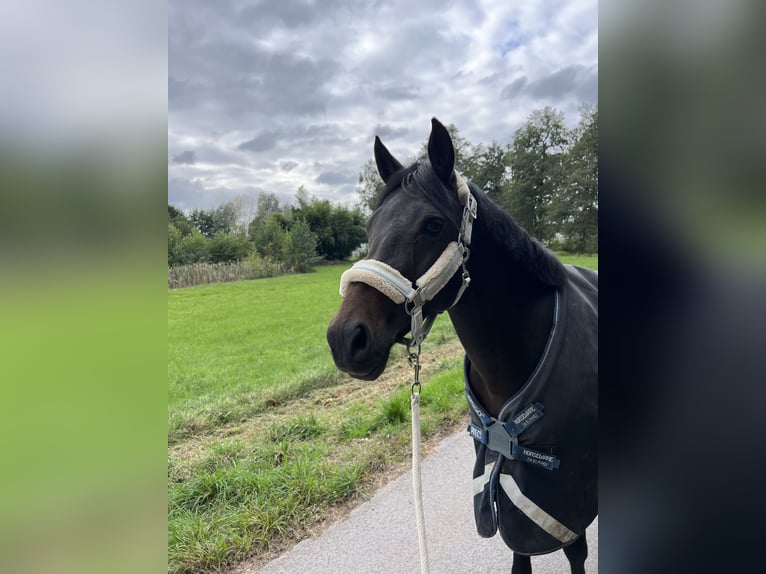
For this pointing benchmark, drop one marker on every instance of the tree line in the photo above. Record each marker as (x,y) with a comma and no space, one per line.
(546,178)
(296,236)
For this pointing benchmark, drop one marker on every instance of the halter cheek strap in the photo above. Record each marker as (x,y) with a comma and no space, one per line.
(414,295)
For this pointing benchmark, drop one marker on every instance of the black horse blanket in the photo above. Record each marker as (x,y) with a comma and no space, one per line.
(535,477)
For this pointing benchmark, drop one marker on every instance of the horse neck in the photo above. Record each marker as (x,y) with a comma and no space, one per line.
(503,321)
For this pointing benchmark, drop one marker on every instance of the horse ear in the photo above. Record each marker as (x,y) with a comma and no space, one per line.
(387,164)
(441,152)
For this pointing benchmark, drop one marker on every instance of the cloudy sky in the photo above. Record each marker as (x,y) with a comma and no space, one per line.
(266,96)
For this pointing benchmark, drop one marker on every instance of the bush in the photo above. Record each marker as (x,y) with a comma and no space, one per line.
(227,247)
(194,248)
(338,230)
(299,248)
(175,251)
(269,239)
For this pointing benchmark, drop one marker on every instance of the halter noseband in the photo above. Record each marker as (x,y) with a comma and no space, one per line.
(414,295)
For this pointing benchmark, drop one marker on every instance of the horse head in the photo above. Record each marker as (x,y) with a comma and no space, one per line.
(411,235)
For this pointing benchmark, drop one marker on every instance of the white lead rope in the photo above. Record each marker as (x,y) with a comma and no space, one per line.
(417,485)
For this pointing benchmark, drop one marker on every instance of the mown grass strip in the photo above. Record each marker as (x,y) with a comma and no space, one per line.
(247,497)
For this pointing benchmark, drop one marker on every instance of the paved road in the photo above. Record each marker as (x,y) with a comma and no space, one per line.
(380,537)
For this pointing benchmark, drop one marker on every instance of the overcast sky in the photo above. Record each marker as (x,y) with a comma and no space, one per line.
(266,96)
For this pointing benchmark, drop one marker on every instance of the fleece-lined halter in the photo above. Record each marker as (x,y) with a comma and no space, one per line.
(414,295)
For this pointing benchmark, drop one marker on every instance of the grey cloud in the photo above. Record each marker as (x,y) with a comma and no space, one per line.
(576,80)
(270,12)
(262,142)
(513,89)
(335,178)
(218,155)
(242,78)
(185,195)
(343,193)
(265,88)
(189,194)
(491,78)
(389,132)
(185,157)
(398,92)
(316,134)
(182,94)
(298,15)
(325,134)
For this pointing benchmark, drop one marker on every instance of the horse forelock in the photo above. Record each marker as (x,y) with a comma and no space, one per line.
(420,180)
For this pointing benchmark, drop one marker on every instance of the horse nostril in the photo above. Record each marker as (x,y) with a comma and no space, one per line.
(359,340)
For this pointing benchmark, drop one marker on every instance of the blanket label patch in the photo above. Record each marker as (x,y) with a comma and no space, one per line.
(478,434)
(524,419)
(534,457)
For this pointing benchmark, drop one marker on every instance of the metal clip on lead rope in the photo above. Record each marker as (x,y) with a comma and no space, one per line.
(414,360)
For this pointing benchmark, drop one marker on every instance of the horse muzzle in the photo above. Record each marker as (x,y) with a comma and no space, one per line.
(363,331)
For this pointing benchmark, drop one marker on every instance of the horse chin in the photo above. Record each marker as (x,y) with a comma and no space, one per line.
(371,376)
(372,372)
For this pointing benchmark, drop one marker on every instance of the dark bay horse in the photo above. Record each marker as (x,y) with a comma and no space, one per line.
(529,328)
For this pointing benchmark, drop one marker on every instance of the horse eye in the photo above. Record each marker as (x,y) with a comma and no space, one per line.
(433,225)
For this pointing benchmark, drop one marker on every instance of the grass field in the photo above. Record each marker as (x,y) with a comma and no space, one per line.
(233,348)
(266,440)
(589,261)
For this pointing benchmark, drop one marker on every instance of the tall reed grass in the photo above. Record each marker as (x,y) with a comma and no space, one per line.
(202,273)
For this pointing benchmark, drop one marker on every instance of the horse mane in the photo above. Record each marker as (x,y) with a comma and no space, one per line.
(517,245)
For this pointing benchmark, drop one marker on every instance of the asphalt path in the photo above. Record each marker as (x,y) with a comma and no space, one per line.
(380,535)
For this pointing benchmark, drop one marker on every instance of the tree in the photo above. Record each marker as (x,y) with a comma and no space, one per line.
(245,210)
(225,217)
(536,159)
(463,148)
(486,168)
(338,230)
(576,203)
(221,219)
(266,206)
(179,220)
(348,232)
(299,247)
(302,197)
(368,186)
(175,252)
(203,222)
(318,215)
(269,238)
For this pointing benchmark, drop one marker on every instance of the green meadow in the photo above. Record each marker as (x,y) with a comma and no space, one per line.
(589,261)
(267,442)
(235,348)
